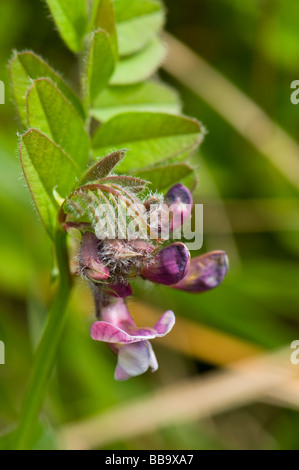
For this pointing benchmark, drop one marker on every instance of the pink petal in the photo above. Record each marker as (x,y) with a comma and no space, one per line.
(116,312)
(103,331)
(165,323)
(117,328)
(170,265)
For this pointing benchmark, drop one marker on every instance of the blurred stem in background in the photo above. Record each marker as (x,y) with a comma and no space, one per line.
(47,350)
(261,377)
(243,114)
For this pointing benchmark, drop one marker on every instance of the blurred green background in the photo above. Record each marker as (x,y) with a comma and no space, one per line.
(251,211)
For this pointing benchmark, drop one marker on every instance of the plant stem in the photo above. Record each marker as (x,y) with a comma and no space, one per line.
(46,351)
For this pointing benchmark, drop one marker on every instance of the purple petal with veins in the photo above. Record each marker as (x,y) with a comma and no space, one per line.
(126,332)
(103,331)
(205,273)
(169,266)
(179,200)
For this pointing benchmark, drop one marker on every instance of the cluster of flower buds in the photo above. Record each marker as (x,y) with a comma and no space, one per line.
(110,263)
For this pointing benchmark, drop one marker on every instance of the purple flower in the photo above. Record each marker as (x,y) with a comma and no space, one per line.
(110,263)
(131,344)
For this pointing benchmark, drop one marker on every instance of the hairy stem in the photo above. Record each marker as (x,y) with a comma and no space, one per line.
(46,352)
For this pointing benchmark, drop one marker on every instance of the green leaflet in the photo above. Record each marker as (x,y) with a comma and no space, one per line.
(164,176)
(27,66)
(46,167)
(71,18)
(145,96)
(55,151)
(100,64)
(137,23)
(125,11)
(104,18)
(150,137)
(136,32)
(93,11)
(140,66)
(49,111)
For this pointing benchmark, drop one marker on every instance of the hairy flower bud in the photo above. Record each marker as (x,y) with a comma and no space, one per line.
(91,265)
